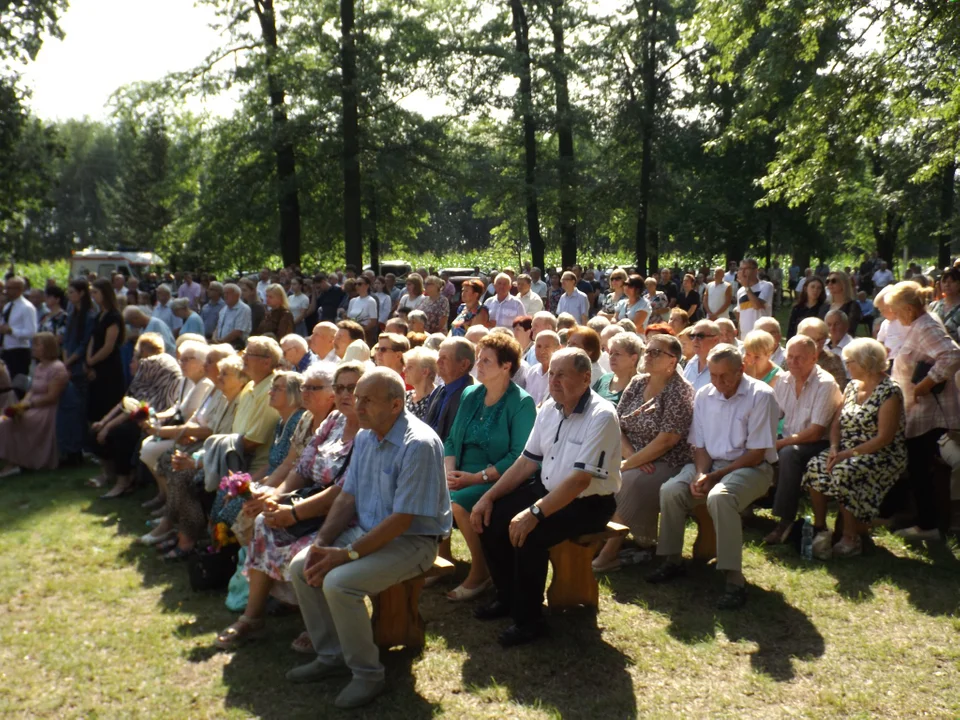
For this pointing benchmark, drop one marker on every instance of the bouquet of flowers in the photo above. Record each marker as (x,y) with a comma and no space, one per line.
(237,485)
(138,410)
(15,411)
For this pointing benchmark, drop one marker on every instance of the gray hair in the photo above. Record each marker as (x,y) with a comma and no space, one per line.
(462,350)
(434,341)
(418,315)
(350,366)
(132,311)
(391,382)
(267,345)
(581,361)
(840,315)
(292,382)
(165,288)
(293,339)
(724,352)
(215,286)
(194,349)
(548,316)
(549,334)
(597,323)
(867,353)
(179,304)
(231,287)
(770,324)
(322,371)
(424,357)
(815,324)
(628,342)
(807,342)
(708,325)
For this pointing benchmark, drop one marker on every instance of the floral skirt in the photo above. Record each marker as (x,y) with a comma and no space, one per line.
(272,549)
(858,483)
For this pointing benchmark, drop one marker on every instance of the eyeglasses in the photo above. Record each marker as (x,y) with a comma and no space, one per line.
(277,388)
(655,353)
(313,388)
(700,336)
(833,281)
(337,389)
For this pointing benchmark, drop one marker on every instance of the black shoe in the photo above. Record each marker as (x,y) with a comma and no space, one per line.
(522,634)
(666,572)
(733,598)
(494,610)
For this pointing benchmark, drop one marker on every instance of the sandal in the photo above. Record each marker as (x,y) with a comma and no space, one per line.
(97,483)
(779,535)
(241,631)
(303,644)
(178,554)
(460,593)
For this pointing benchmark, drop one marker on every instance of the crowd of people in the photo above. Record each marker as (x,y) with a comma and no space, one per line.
(377,415)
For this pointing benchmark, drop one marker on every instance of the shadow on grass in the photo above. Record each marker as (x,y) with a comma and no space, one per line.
(571,673)
(781,631)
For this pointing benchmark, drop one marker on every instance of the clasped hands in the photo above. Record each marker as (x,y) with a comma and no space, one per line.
(703,484)
(320,561)
(457,479)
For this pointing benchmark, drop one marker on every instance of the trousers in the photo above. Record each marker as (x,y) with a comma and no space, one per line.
(793,463)
(335,614)
(520,574)
(724,502)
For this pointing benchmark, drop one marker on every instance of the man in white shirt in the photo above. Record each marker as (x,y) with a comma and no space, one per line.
(235,323)
(808,397)
(503,307)
(321,341)
(754,297)
(545,345)
(263,285)
(576,445)
(718,296)
(299,304)
(190,290)
(772,326)
(882,277)
(731,276)
(18,325)
(543,320)
(839,325)
(163,311)
(573,301)
(734,435)
(532,303)
(537,285)
(705,337)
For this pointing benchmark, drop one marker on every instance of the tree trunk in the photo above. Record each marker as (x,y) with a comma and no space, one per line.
(374,216)
(649,73)
(946,215)
(886,236)
(352,211)
(521,31)
(654,247)
(567,166)
(288,199)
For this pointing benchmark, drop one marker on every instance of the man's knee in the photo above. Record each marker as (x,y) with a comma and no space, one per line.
(298,563)
(719,498)
(676,489)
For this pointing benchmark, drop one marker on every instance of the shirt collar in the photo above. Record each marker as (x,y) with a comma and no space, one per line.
(395,434)
(581,403)
(459,383)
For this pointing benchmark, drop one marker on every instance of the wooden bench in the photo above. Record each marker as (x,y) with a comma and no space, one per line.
(396,611)
(574,582)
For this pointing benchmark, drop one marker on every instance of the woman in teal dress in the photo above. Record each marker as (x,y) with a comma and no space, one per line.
(489,432)
(624,354)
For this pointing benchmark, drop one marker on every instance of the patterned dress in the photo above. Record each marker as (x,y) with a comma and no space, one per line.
(418,408)
(860,483)
(322,464)
(464,317)
(437,311)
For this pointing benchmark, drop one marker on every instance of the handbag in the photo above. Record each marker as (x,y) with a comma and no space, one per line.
(312,525)
(921,371)
(212,571)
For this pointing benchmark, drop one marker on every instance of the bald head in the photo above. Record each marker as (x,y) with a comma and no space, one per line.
(321,339)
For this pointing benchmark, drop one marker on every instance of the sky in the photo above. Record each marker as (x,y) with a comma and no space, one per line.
(110,43)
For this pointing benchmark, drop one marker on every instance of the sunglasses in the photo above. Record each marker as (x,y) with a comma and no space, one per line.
(700,336)
(337,389)
(833,281)
(655,353)
(313,388)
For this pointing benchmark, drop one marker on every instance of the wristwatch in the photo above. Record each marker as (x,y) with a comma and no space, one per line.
(536,512)
(351,553)
(483,474)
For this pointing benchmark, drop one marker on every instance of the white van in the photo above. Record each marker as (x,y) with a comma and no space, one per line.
(107,262)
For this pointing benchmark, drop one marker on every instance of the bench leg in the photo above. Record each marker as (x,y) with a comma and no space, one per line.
(396,616)
(573,581)
(705,546)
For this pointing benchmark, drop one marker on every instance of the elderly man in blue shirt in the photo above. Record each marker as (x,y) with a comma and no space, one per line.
(395,495)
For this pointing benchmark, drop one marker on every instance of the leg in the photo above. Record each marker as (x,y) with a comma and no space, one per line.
(675,502)
(819,502)
(345,587)
(725,501)
(611,548)
(793,463)
(638,501)
(921,451)
(479,573)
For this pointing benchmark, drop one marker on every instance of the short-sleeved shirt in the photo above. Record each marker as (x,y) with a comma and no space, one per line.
(628,311)
(577,304)
(587,440)
(233,318)
(503,312)
(695,375)
(193,324)
(211,316)
(191,292)
(256,420)
(403,473)
(671,411)
(818,402)
(749,312)
(728,428)
(532,303)
(158,326)
(298,304)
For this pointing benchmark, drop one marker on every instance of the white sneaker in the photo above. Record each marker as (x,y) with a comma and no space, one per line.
(915,534)
(823,545)
(10,472)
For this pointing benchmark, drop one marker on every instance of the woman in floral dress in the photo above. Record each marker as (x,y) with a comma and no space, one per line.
(322,466)
(436,307)
(867,454)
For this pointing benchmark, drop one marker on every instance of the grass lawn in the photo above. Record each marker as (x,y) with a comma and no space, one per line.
(92,625)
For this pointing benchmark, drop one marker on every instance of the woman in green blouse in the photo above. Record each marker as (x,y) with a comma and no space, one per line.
(489,432)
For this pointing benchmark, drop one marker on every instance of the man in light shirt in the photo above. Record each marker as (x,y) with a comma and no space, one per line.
(263,285)
(705,337)
(573,300)
(545,345)
(734,435)
(18,325)
(503,307)
(808,397)
(190,290)
(882,277)
(838,324)
(772,326)
(754,297)
(321,341)
(235,324)
(537,285)
(532,303)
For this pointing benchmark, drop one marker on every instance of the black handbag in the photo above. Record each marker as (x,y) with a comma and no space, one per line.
(921,371)
(312,525)
(212,571)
